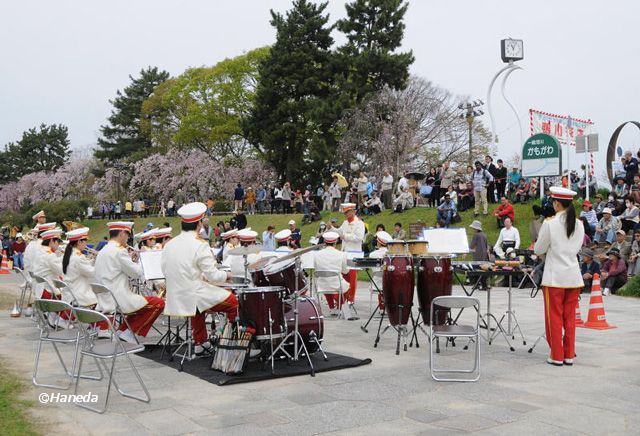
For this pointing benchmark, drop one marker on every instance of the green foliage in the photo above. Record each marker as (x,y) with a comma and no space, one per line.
(57,211)
(122,138)
(292,121)
(368,61)
(13,417)
(203,107)
(604,192)
(632,288)
(43,149)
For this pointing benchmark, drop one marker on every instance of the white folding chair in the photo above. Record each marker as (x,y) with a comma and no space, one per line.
(337,275)
(103,351)
(454,331)
(26,286)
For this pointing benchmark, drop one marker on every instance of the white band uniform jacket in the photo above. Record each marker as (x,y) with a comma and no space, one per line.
(113,269)
(29,253)
(378,253)
(45,264)
(352,234)
(185,259)
(331,259)
(235,263)
(561,268)
(79,277)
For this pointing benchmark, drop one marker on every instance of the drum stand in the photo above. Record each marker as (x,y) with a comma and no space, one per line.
(298,342)
(544,335)
(400,328)
(379,307)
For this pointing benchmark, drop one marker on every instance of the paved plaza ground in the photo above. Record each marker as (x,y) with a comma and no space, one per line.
(517,393)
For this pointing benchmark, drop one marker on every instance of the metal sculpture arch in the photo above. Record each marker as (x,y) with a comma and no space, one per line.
(613,143)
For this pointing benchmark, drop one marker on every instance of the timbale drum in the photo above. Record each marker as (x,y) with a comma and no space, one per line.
(310,322)
(284,274)
(263,309)
(397,287)
(434,280)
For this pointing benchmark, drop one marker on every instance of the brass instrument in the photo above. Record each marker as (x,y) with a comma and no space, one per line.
(91,255)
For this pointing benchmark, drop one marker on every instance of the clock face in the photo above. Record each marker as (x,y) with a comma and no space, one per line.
(514,49)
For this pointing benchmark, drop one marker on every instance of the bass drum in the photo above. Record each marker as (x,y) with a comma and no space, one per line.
(397,287)
(434,280)
(310,323)
(262,308)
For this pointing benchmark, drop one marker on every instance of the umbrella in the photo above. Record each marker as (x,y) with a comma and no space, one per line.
(415,175)
(341,180)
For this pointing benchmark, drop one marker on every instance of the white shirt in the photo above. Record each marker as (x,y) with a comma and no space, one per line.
(561,267)
(79,277)
(45,264)
(378,253)
(402,184)
(511,234)
(331,259)
(387,183)
(352,234)
(186,261)
(113,269)
(29,253)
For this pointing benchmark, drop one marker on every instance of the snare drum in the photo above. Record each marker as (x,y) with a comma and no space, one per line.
(263,309)
(418,248)
(397,287)
(284,274)
(256,270)
(435,277)
(310,322)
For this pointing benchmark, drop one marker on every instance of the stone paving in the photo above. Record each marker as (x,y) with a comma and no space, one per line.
(517,392)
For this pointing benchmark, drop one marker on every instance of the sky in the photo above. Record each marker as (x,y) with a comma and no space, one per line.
(62,60)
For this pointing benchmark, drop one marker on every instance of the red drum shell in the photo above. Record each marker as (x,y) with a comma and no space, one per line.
(309,320)
(434,280)
(397,287)
(257,271)
(255,304)
(284,274)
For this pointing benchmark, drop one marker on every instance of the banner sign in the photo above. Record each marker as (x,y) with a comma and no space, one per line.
(541,156)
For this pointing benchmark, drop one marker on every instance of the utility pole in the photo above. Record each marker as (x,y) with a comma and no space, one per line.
(470,111)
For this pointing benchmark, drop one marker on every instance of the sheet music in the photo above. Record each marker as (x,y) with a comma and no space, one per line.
(445,241)
(151,262)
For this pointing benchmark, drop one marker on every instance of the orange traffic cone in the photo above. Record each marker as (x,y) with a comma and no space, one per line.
(4,267)
(579,321)
(596,319)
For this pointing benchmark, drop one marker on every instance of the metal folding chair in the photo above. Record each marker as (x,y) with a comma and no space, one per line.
(27,285)
(319,274)
(55,337)
(118,314)
(103,351)
(453,331)
(63,288)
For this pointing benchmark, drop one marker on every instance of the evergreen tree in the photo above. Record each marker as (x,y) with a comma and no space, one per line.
(292,119)
(42,149)
(121,137)
(368,60)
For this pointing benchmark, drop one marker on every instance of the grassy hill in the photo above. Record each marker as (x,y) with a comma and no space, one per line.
(523,213)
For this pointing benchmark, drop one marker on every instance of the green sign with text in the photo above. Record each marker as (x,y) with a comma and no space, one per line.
(541,156)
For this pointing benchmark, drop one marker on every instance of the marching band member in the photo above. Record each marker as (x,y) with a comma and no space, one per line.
(40,217)
(163,236)
(352,234)
(382,239)
(229,242)
(191,277)
(114,267)
(283,238)
(560,239)
(235,262)
(332,259)
(46,262)
(78,270)
(34,246)
(148,240)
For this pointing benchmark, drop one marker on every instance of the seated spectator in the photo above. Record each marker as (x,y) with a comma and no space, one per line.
(634,255)
(631,215)
(522,191)
(607,227)
(634,189)
(513,178)
(373,205)
(622,245)
(509,237)
(590,215)
(588,235)
(588,267)
(614,273)
(620,188)
(398,232)
(466,199)
(446,210)
(403,201)
(533,188)
(504,210)
(598,206)
(453,195)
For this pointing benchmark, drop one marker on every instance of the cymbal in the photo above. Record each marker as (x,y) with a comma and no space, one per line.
(299,252)
(241,251)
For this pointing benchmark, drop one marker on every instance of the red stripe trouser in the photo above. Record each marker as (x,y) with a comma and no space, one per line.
(560,313)
(198,326)
(46,295)
(350,295)
(142,319)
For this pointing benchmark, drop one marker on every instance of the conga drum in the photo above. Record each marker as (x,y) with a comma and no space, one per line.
(434,280)
(397,287)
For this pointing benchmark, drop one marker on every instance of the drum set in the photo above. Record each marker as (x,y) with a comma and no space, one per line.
(276,303)
(409,267)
